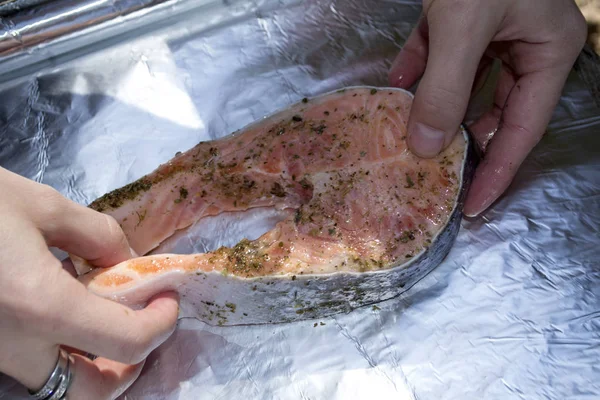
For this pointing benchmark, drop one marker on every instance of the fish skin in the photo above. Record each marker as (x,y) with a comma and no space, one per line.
(223,299)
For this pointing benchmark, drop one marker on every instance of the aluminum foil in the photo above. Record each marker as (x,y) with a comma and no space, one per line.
(8,7)
(512,313)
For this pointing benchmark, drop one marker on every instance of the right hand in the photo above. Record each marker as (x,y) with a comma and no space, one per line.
(537,42)
(43,307)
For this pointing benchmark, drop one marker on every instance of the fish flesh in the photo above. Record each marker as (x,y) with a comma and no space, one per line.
(363,218)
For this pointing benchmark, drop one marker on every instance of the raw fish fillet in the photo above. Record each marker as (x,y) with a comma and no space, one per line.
(366,219)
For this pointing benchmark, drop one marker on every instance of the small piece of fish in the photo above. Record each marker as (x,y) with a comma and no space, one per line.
(366,219)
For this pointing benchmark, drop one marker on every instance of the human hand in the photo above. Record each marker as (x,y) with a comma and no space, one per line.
(43,307)
(537,41)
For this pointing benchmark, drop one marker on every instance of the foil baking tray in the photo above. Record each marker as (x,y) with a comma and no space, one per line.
(97,93)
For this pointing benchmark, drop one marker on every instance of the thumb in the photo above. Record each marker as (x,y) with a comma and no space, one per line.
(456,45)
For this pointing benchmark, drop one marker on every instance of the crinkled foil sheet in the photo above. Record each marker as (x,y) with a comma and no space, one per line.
(513,312)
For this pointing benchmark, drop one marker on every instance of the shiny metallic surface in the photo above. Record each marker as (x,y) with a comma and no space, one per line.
(56,380)
(61,389)
(67,28)
(512,313)
(8,7)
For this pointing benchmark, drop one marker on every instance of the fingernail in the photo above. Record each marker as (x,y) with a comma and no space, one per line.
(394,77)
(426,141)
(473,214)
(396,81)
(482,207)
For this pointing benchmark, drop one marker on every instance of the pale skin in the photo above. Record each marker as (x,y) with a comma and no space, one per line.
(43,306)
(537,41)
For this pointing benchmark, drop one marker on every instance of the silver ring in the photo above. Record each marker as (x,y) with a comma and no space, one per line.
(65,381)
(58,383)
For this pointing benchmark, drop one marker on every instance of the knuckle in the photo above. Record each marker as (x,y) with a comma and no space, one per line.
(53,205)
(114,232)
(441,103)
(573,32)
(528,137)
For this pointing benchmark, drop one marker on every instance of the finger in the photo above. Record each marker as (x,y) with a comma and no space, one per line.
(409,65)
(105,328)
(486,126)
(456,45)
(524,120)
(100,379)
(32,363)
(482,74)
(94,236)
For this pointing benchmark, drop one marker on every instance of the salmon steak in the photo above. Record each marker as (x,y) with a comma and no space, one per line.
(363,218)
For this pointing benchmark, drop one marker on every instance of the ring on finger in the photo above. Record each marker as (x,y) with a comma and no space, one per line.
(58,383)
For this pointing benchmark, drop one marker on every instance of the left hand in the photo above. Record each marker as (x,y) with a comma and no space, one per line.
(44,308)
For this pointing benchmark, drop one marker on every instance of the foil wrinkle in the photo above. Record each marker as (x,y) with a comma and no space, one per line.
(97,100)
